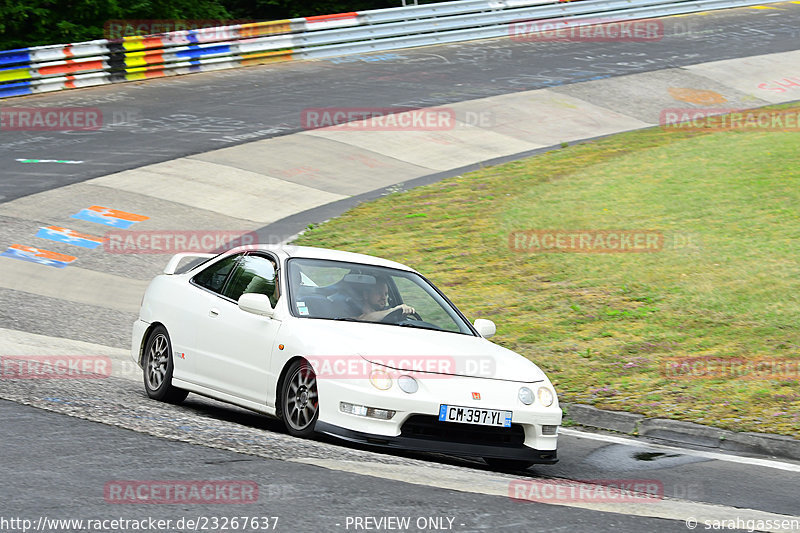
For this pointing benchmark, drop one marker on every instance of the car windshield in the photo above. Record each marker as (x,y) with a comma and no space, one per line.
(338,290)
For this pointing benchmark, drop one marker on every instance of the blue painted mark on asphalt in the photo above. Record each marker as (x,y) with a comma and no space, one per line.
(37,255)
(109,217)
(68,236)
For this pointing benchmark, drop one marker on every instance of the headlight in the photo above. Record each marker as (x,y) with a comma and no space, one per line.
(408,384)
(380,380)
(546,396)
(526,395)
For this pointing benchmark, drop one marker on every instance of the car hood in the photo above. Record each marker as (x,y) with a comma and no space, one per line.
(415,350)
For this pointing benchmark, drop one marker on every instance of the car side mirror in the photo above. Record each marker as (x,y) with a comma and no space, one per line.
(255,303)
(485,327)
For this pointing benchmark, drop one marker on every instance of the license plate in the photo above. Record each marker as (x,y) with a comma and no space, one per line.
(474,415)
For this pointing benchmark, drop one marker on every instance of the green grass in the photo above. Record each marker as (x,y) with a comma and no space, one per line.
(603,326)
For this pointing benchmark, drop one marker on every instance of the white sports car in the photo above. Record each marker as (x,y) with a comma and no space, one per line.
(344,344)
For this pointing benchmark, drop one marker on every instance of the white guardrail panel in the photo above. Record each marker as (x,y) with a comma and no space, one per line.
(661,9)
(457,22)
(66,66)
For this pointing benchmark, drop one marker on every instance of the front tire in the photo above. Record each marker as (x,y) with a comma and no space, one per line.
(300,400)
(157,368)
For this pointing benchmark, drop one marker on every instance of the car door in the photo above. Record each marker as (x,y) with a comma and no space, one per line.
(189,311)
(234,345)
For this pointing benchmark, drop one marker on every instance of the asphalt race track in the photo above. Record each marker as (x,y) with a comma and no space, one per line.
(65,441)
(147,122)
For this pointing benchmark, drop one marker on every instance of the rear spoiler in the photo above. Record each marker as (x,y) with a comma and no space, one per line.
(172,266)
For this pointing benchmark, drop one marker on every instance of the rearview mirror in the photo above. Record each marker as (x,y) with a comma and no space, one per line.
(255,303)
(485,327)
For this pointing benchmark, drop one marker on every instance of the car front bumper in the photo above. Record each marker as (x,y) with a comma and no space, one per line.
(518,453)
(415,425)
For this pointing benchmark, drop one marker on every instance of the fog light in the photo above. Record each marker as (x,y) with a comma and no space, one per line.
(545,396)
(549,430)
(369,412)
(349,408)
(526,395)
(382,414)
(380,380)
(408,384)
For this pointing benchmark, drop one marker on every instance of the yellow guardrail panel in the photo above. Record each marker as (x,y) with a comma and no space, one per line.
(17,74)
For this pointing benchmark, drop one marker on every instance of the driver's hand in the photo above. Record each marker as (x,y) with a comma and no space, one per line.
(407,309)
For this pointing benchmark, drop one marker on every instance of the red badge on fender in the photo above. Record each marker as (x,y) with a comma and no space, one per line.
(476,395)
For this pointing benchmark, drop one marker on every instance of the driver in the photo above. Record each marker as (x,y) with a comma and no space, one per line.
(375,305)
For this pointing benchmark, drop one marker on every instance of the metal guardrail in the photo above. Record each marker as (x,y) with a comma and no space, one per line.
(66,66)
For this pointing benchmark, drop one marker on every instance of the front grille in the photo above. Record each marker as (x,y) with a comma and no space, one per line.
(430,428)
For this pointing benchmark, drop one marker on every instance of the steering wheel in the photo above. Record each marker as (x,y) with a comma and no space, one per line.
(396,316)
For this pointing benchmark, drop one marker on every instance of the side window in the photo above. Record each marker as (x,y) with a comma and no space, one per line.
(253,273)
(213,278)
